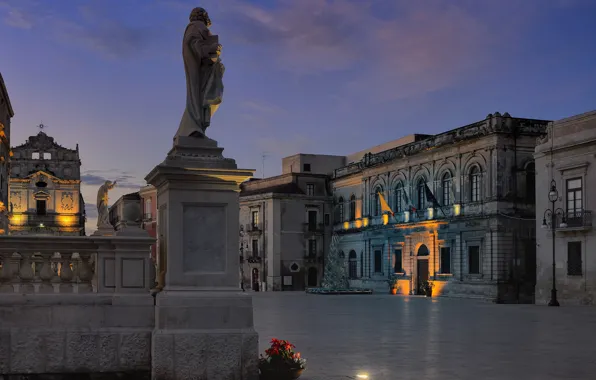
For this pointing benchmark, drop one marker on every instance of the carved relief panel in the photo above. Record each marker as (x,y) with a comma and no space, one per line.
(67,201)
(18,201)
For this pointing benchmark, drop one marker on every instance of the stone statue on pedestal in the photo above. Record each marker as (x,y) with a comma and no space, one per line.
(103,220)
(204,75)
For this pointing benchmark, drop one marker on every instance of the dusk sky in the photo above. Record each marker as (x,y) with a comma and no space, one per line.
(310,76)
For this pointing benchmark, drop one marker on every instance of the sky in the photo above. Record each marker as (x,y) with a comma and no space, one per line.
(302,76)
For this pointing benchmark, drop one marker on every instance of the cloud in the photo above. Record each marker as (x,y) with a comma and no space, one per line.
(93,27)
(90,210)
(421,49)
(99,177)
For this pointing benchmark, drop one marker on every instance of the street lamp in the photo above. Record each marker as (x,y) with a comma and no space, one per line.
(552,213)
(242,259)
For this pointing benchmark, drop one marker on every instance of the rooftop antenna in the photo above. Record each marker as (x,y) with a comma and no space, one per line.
(264,155)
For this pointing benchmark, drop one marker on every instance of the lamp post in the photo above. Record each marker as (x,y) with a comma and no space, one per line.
(552,213)
(242,259)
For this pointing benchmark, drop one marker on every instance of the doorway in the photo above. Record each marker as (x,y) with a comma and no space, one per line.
(421,275)
(255,279)
(312,277)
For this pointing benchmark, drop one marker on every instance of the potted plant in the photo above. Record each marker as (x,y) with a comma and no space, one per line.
(393,285)
(428,288)
(281,362)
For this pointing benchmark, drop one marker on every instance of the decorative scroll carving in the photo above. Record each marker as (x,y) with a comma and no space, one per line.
(67,201)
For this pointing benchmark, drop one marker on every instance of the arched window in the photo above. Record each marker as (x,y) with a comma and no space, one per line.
(531,182)
(340,210)
(353,265)
(398,198)
(421,195)
(446,188)
(353,207)
(377,205)
(474,184)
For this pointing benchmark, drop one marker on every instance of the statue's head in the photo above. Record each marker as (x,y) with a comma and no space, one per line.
(108,183)
(200,14)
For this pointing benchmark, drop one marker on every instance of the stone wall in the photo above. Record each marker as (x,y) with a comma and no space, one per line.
(75,333)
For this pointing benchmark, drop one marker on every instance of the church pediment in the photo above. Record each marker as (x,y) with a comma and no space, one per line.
(41,194)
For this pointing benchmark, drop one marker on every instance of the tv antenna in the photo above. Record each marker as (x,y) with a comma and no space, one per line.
(264,155)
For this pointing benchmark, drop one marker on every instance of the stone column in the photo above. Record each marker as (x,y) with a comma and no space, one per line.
(203,322)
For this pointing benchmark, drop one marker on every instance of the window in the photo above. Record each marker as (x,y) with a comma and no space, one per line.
(312,220)
(35,156)
(148,208)
(353,207)
(397,267)
(340,210)
(398,196)
(531,182)
(421,195)
(378,261)
(353,265)
(306,167)
(377,205)
(446,188)
(474,184)
(254,221)
(327,219)
(255,248)
(310,189)
(445,260)
(47,156)
(474,259)
(574,197)
(574,258)
(41,207)
(312,248)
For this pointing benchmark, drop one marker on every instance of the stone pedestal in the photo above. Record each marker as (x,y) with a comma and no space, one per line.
(104,231)
(204,324)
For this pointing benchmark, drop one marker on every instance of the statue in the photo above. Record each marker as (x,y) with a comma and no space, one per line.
(103,220)
(204,75)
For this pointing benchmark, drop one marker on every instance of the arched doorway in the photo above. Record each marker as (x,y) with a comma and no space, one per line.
(421,268)
(352,265)
(255,279)
(312,277)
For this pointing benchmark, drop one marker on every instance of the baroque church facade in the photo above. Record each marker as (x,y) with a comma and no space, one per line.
(6,113)
(464,212)
(45,188)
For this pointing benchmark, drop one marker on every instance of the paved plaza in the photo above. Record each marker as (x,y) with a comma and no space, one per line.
(395,337)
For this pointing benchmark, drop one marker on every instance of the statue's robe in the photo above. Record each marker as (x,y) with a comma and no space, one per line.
(204,79)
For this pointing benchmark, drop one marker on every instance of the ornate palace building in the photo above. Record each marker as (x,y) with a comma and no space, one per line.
(565,162)
(464,212)
(286,225)
(6,113)
(45,188)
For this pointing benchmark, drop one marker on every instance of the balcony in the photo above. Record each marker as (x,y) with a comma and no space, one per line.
(254,228)
(313,228)
(574,221)
(254,259)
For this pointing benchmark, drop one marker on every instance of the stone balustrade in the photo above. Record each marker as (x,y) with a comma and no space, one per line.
(76,304)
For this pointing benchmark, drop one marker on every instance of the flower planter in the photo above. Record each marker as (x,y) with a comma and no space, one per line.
(280,374)
(393,291)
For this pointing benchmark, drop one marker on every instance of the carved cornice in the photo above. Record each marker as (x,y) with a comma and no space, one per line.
(493,124)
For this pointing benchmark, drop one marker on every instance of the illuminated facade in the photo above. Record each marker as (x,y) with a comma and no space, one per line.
(45,189)
(567,156)
(6,113)
(478,240)
(285,227)
(126,211)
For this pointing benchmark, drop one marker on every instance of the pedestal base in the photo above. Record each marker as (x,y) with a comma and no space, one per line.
(204,335)
(104,231)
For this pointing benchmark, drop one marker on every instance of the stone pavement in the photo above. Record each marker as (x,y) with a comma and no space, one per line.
(395,337)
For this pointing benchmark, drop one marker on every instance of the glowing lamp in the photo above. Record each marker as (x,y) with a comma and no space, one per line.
(362,376)
(563,223)
(358,223)
(346,225)
(431,213)
(41,225)
(406,216)
(544,226)
(365,222)
(385,219)
(456,209)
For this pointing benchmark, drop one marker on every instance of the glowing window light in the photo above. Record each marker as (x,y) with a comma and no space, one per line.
(362,376)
